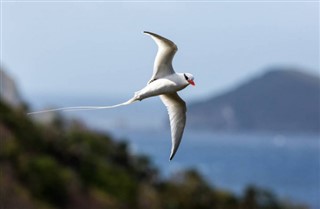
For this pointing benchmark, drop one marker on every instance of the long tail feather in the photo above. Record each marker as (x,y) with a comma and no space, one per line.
(80,108)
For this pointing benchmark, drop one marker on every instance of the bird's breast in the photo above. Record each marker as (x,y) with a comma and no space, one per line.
(158,87)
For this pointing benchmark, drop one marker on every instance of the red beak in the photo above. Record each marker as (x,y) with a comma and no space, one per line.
(191,82)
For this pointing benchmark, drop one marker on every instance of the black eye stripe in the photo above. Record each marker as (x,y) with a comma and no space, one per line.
(186,77)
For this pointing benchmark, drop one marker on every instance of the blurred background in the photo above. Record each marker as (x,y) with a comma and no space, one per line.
(252,138)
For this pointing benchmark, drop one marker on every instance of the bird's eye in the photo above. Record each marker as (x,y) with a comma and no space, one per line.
(186,77)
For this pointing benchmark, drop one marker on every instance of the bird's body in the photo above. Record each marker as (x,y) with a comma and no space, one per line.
(169,84)
(165,83)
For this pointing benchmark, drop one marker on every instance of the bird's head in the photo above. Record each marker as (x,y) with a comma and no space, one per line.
(189,78)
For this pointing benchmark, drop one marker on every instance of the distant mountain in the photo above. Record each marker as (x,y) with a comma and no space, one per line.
(277,101)
(9,91)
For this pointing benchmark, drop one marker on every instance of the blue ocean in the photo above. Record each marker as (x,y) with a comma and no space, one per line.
(286,164)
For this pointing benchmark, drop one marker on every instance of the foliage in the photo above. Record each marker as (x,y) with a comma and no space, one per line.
(61,165)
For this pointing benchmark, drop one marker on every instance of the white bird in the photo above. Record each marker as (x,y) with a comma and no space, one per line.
(165,82)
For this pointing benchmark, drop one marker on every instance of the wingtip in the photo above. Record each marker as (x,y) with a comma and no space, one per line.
(147,32)
(171,156)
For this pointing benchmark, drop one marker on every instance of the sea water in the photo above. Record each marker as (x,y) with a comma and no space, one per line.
(287,165)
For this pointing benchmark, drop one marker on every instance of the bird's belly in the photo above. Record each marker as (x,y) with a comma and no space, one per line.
(158,87)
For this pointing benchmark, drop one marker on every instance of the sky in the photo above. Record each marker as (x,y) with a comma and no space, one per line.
(97,48)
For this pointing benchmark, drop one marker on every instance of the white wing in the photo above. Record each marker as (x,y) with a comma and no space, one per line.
(163,62)
(177,115)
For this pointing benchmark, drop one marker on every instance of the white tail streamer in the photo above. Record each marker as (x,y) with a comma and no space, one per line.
(81,108)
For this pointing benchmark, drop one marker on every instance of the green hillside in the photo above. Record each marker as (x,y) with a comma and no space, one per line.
(64,165)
